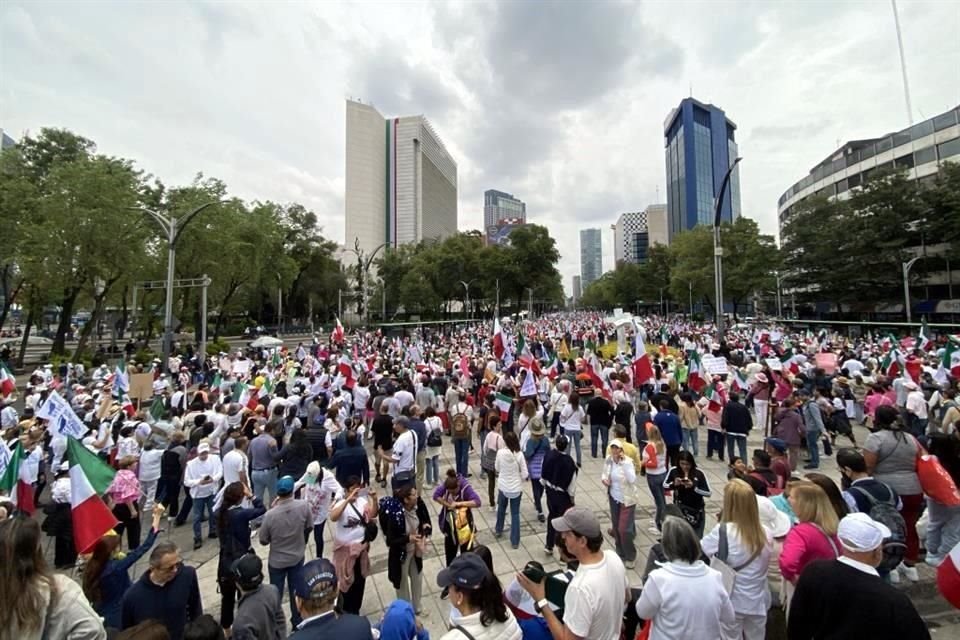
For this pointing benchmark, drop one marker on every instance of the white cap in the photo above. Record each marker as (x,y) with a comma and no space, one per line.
(859,532)
(776,522)
(203,447)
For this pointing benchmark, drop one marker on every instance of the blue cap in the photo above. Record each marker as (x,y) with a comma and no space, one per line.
(285,486)
(777,444)
(467,571)
(313,573)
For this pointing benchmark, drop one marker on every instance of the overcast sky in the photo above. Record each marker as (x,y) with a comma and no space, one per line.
(560,103)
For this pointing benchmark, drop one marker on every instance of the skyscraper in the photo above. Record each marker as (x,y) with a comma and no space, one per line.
(401,183)
(498,206)
(591,256)
(636,231)
(577,290)
(700,144)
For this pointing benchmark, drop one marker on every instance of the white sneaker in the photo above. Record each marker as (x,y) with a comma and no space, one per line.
(934,561)
(910,572)
(894,576)
(548,552)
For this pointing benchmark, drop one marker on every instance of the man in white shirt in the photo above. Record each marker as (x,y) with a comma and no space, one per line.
(202,479)
(8,415)
(404,398)
(598,592)
(235,464)
(404,452)
(916,408)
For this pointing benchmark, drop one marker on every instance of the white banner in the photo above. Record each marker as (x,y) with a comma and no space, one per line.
(5,455)
(715,365)
(774,364)
(61,417)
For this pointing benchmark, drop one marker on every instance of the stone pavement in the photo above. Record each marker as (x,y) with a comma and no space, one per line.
(944,621)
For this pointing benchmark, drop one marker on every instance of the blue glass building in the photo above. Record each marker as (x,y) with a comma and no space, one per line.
(700,143)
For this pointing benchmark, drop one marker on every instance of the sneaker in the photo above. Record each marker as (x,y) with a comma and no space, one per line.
(629,564)
(894,576)
(910,572)
(515,546)
(213,535)
(548,551)
(811,466)
(498,534)
(934,561)
(541,518)
(197,544)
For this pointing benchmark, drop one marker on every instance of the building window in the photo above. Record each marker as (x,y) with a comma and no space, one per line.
(949,149)
(853,158)
(925,128)
(901,138)
(885,145)
(945,120)
(904,161)
(854,180)
(868,152)
(925,155)
(842,186)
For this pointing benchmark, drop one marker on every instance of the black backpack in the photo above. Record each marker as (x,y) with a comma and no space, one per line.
(170,464)
(894,547)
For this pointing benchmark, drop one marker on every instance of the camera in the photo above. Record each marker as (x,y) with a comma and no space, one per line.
(534,571)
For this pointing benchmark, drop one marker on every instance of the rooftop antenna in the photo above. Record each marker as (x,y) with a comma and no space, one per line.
(903,62)
(691,89)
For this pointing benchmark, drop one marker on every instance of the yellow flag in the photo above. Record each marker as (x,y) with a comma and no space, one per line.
(564,350)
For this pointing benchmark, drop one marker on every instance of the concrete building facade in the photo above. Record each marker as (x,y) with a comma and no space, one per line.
(400,183)
(636,231)
(498,205)
(591,256)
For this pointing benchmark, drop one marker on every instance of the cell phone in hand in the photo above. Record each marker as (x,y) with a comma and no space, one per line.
(364,492)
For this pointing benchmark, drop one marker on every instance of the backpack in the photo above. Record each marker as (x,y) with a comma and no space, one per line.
(460,426)
(170,464)
(894,547)
(460,524)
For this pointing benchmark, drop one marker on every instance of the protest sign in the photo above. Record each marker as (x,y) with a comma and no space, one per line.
(774,364)
(141,386)
(714,365)
(61,417)
(827,362)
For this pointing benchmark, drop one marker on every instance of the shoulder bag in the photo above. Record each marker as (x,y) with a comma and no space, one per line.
(719,561)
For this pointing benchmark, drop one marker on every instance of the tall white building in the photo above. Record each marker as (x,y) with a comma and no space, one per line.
(401,183)
(636,231)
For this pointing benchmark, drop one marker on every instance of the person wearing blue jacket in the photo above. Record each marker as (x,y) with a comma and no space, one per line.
(106,577)
(238,509)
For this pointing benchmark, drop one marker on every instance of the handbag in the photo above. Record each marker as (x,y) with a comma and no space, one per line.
(434,439)
(370,529)
(934,479)
(728,574)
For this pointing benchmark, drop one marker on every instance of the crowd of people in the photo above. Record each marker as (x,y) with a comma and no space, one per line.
(271,447)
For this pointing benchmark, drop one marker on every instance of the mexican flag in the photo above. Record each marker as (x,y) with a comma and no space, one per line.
(276,360)
(345,368)
(498,344)
(716,396)
(739,380)
(266,388)
(553,369)
(336,336)
(923,341)
(157,408)
(564,351)
(8,384)
(503,403)
(949,363)
(90,477)
(121,381)
(126,404)
(525,357)
(17,476)
(893,363)
(593,369)
(789,361)
(695,378)
(642,369)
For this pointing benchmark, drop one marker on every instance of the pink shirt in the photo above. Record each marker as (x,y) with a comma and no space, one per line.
(875,400)
(125,487)
(805,543)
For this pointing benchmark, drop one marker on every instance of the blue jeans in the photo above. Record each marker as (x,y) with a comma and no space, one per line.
(574,437)
(714,443)
(624,529)
(264,480)
(318,537)
(690,441)
(599,432)
(198,506)
(943,528)
(461,455)
(813,445)
(655,482)
(740,443)
(433,469)
(288,574)
(514,517)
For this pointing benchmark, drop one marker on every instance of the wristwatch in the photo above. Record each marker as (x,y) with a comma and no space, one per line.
(541,604)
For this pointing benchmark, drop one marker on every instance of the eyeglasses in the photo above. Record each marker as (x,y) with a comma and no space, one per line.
(172,568)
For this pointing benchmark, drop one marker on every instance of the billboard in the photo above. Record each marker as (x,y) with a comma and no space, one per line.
(499,234)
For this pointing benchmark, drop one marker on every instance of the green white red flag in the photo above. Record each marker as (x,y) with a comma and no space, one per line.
(8,384)
(695,378)
(17,476)
(90,477)
(503,403)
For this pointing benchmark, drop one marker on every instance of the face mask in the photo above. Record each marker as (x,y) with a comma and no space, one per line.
(310,480)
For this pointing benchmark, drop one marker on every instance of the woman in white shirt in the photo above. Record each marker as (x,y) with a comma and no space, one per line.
(654,459)
(320,487)
(571,421)
(511,468)
(684,598)
(748,553)
(352,507)
(558,400)
(434,425)
(620,478)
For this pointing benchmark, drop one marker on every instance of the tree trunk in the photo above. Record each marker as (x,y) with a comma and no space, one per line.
(66,313)
(231,291)
(9,293)
(31,318)
(124,316)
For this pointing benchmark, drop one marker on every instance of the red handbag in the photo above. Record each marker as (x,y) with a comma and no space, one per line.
(935,480)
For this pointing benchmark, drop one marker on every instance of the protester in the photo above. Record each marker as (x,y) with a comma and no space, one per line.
(285,528)
(350,459)
(168,591)
(846,598)
(434,429)
(620,477)
(37,603)
(595,598)
(202,478)
(655,468)
(457,499)
(559,479)
(352,509)
(233,527)
(105,574)
(736,422)
(124,494)
(891,458)
(740,541)
(690,487)
(316,592)
(319,488)
(406,533)
(492,443)
(684,598)
(511,469)
(670,429)
(572,418)
(534,452)
(690,421)
(479,609)
(600,415)
(259,614)
(814,535)
(789,429)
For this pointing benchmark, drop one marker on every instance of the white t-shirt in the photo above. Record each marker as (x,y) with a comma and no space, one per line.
(572,419)
(360,397)
(594,602)
(405,451)
(233,463)
(150,465)
(348,529)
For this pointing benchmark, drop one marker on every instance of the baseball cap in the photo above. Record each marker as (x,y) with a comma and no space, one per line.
(467,571)
(617,442)
(248,570)
(579,520)
(777,444)
(860,532)
(313,573)
(203,447)
(285,486)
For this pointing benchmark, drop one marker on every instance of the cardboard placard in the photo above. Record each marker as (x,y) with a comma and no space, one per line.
(241,367)
(715,365)
(774,364)
(224,365)
(827,362)
(141,386)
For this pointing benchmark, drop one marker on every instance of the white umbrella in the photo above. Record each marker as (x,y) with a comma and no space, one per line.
(266,342)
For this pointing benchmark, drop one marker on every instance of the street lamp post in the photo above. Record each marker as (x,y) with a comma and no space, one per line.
(279,305)
(362,272)
(690,289)
(718,250)
(906,286)
(779,303)
(172,227)
(466,289)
